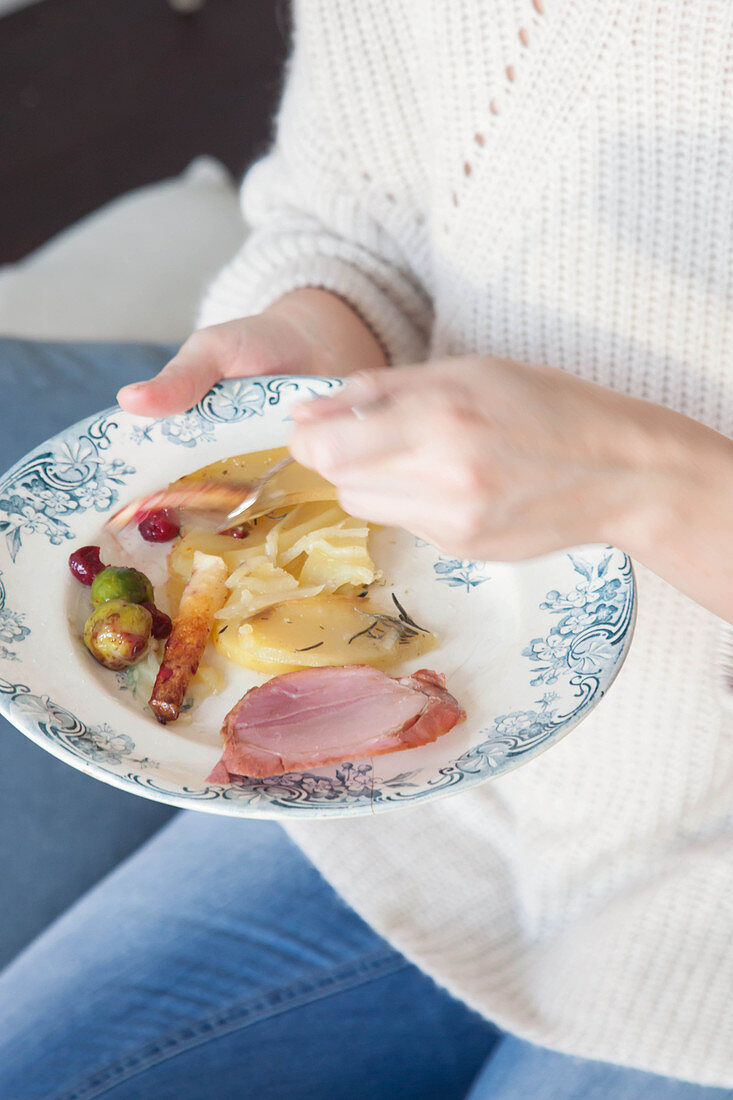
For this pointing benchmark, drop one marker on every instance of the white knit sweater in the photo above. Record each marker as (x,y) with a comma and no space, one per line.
(555,186)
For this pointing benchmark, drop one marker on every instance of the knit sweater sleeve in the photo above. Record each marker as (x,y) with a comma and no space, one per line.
(309,226)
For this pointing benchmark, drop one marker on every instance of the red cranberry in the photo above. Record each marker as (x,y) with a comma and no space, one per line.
(162,624)
(85,564)
(159,526)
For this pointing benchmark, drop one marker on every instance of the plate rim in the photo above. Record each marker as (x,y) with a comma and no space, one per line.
(31,727)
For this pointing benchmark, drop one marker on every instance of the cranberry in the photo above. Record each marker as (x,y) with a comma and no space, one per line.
(85,564)
(241,531)
(159,526)
(162,624)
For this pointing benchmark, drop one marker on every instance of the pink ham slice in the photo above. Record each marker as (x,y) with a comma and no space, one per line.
(325,715)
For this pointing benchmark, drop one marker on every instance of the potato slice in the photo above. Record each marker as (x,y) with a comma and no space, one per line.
(202,597)
(232,551)
(322,630)
(258,584)
(298,524)
(294,485)
(323,545)
(333,566)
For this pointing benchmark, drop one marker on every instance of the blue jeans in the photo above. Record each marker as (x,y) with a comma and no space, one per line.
(214,961)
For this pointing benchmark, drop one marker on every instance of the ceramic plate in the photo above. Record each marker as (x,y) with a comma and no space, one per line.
(528,649)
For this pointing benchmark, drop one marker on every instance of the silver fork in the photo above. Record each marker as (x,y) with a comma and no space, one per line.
(255,493)
(210,501)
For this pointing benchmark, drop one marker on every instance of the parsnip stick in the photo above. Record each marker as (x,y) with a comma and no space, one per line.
(204,595)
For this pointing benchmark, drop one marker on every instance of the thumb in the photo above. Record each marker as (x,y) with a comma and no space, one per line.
(190,374)
(260,344)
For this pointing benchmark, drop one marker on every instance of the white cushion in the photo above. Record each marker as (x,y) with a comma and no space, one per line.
(7,6)
(133,270)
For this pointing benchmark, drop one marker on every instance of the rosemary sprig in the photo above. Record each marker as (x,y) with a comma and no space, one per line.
(405,617)
(405,627)
(307,647)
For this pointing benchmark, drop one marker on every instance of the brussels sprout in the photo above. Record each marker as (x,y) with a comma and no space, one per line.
(118,583)
(117,633)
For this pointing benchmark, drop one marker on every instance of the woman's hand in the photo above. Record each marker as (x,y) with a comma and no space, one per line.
(306,332)
(491,459)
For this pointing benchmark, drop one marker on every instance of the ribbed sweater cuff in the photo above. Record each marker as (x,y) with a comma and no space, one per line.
(234,294)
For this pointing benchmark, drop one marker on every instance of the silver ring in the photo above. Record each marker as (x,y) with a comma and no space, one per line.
(362,411)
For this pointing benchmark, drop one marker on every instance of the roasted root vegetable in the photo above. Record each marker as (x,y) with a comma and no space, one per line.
(322,630)
(202,597)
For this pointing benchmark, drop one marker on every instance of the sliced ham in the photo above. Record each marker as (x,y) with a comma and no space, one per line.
(325,715)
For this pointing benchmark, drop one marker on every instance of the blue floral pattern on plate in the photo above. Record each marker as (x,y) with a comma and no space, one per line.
(99,744)
(229,403)
(42,493)
(581,627)
(458,572)
(12,628)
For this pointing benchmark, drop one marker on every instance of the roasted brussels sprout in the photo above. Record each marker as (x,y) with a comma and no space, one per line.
(117,633)
(120,583)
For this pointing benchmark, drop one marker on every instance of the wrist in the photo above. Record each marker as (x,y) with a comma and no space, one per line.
(326,334)
(680,491)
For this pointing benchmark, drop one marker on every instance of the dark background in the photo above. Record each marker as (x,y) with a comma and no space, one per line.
(100,96)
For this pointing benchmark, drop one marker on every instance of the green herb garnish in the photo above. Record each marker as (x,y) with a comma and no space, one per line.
(405,627)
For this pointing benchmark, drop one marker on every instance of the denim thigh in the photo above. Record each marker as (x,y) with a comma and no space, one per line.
(216,961)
